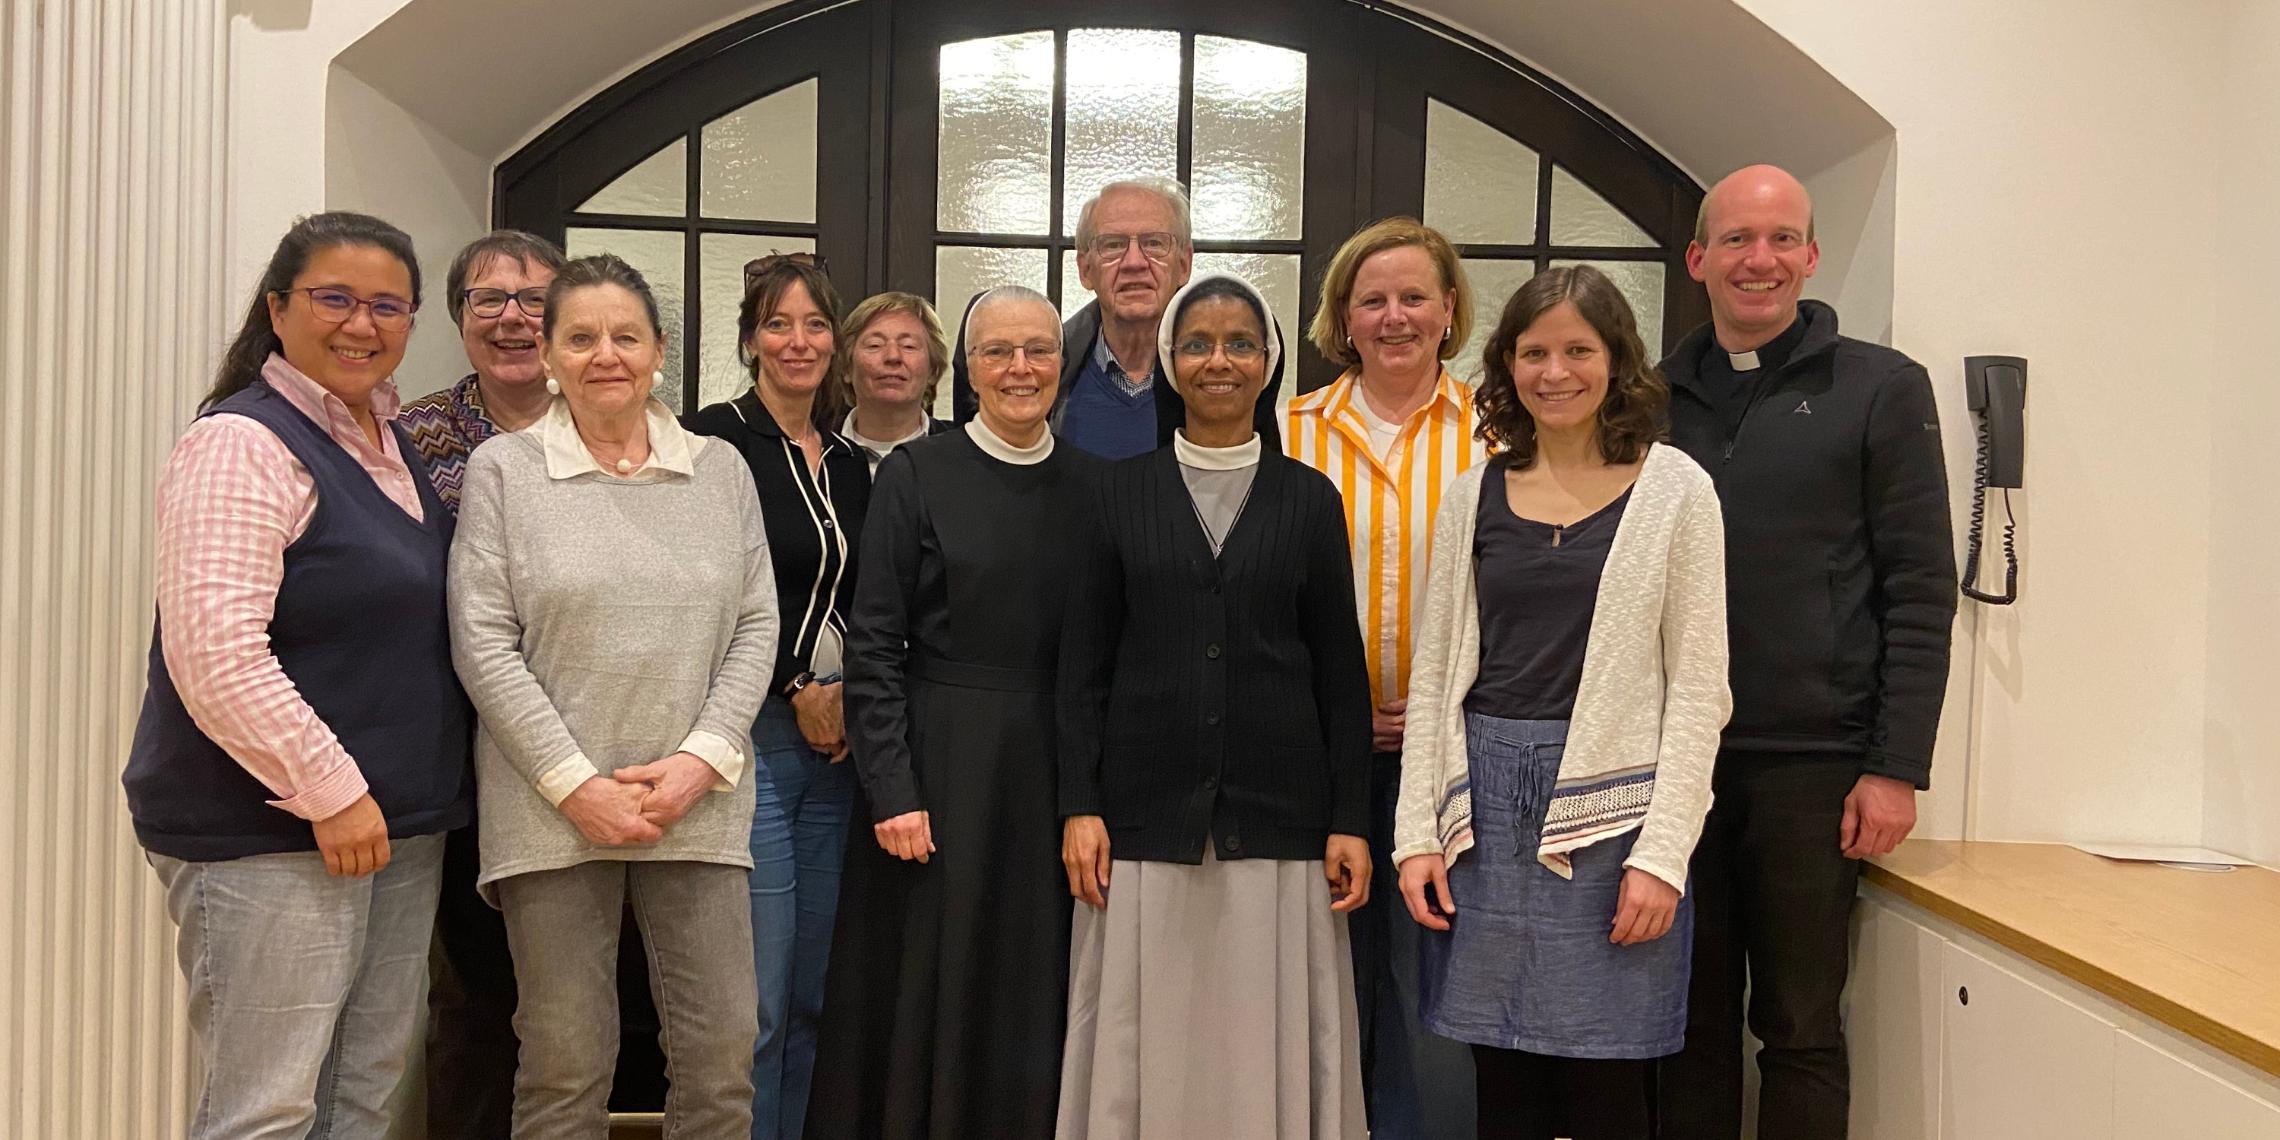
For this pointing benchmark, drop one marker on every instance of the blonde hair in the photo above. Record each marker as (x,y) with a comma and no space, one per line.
(880,304)
(1328,332)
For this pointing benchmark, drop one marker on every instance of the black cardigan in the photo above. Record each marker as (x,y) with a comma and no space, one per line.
(1222,700)
(814,586)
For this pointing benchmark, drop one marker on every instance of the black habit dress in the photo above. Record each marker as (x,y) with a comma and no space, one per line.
(946,1000)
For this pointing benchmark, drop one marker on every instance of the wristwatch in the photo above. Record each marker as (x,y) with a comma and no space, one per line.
(792,687)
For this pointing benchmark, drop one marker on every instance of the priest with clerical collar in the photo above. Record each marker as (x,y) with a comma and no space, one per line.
(1841,589)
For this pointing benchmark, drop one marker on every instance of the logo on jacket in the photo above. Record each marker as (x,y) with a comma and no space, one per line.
(1803,408)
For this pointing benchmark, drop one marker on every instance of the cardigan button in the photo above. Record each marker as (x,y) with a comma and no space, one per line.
(1233,844)
(1210,783)
(1211,719)
(1211,651)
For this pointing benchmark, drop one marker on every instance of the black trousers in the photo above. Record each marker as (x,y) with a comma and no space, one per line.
(1773,896)
(1527,1096)
(471,1042)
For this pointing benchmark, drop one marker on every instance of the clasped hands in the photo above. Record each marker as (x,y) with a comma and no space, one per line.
(639,803)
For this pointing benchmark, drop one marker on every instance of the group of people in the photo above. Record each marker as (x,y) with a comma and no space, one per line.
(1052,772)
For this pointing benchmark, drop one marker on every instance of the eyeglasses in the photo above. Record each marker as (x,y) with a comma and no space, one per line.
(493,302)
(1239,350)
(1156,247)
(998,354)
(754,268)
(336,306)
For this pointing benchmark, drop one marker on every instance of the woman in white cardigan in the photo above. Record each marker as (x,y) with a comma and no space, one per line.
(1566,694)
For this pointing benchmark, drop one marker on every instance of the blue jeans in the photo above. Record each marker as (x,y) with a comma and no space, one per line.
(304,988)
(1418,1086)
(799,837)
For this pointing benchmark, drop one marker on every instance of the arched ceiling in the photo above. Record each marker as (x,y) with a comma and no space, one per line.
(1703,80)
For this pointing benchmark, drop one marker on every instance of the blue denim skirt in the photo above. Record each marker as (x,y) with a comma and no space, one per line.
(1526,963)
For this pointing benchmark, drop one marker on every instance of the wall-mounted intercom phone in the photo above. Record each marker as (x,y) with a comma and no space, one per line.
(1996,388)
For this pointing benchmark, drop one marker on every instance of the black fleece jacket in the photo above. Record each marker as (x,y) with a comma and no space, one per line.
(1840,564)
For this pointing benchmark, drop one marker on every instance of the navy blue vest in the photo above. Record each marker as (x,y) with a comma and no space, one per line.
(1100,417)
(360,629)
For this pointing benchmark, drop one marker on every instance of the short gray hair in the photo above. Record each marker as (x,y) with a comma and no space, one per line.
(1173,194)
(1006,295)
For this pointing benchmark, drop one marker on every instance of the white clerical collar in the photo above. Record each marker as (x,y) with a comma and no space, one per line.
(999,449)
(879,447)
(670,448)
(1235,458)
(1743,361)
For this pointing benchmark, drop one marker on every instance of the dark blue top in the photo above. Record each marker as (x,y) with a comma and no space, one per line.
(1104,419)
(1537,586)
(360,629)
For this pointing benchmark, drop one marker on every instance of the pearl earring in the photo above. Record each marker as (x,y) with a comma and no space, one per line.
(1445,333)
(657,377)
(553,386)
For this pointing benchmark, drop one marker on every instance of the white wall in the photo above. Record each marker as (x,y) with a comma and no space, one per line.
(2054,198)
(2243,667)
(286,159)
(385,161)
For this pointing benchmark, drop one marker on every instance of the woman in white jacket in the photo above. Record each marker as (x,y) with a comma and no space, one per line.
(1566,695)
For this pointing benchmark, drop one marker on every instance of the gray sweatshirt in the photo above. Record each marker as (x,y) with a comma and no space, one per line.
(601,620)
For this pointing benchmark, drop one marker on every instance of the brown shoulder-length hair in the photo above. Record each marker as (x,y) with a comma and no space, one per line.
(764,292)
(1630,418)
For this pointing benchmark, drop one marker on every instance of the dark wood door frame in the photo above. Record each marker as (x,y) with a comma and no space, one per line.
(1370,68)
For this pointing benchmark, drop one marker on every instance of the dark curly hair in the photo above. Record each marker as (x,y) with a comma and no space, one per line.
(1630,418)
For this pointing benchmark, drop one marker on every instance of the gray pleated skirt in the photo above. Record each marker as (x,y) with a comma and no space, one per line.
(1212,1001)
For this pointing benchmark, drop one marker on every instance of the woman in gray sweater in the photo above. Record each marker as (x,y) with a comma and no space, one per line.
(613,618)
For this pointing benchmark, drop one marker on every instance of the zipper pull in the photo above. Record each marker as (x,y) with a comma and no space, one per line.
(1729,450)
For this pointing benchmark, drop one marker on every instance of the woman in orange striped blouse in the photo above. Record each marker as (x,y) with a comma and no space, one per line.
(1393,432)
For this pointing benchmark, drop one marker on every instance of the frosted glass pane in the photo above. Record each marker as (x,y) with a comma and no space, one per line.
(1073,292)
(1581,217)
(720,279)
(759,160)
(658,255)
(1642,285)
(1122,112)
(1493,283)
(1276,275)
(995,172)
(962,272)
(1249,139)
(1480,183)
(658,187)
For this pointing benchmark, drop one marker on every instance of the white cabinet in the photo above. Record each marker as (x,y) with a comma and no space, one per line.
(2160,1094)
(1955,1038)
(1892,1024)
(2020,1061)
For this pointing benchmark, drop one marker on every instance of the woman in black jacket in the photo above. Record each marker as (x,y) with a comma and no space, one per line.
(1214,746)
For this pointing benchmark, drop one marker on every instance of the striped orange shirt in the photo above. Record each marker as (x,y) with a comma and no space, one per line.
(1389,503)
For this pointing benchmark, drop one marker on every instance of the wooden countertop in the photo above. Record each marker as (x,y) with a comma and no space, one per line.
(2195,951)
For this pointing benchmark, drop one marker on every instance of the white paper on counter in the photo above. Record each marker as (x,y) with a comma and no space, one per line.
(2156,853)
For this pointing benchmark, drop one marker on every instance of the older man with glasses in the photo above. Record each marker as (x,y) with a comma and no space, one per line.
(496,290)
(1134,250)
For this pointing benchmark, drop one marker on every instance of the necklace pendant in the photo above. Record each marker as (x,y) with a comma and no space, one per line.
(625,466)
